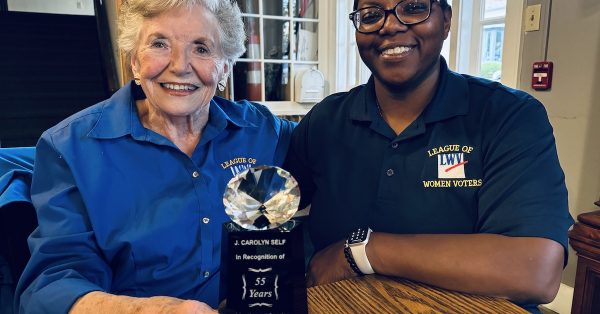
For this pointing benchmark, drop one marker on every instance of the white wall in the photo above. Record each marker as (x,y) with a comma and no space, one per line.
(75,7)
(573,103)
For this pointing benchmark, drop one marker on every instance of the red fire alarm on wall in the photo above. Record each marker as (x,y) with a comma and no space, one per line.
(541,78)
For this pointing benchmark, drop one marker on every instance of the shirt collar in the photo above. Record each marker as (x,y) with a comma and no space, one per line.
(222,115)
(450,99)
(365,108)
(119,117)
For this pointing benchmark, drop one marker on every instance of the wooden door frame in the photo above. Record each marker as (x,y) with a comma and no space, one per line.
(124,64)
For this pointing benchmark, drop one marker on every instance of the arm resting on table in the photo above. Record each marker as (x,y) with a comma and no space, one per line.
(522,269)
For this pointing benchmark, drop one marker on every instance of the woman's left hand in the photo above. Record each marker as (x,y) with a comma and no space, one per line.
(329,265)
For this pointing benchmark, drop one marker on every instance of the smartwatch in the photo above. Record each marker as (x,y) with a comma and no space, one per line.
(357,242)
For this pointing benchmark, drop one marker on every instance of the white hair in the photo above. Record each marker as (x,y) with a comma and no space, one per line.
(230,25)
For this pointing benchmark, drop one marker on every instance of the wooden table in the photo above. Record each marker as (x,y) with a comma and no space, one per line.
(380,294)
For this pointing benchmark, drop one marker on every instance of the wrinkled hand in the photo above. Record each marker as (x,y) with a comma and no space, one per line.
(101,302)
(169,305)
(329,265)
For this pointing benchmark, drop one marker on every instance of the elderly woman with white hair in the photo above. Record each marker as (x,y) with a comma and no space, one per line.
(129,192)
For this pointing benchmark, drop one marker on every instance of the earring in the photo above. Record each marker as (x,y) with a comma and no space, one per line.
(137,81)
(222,84)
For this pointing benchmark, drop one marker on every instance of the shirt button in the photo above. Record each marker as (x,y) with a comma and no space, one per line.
(395,145)
(205,220)
(195,174)
(206,274)
(390,172)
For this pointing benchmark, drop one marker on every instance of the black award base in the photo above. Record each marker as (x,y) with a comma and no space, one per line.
(263,271)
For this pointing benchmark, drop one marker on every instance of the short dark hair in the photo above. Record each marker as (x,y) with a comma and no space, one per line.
(443,4)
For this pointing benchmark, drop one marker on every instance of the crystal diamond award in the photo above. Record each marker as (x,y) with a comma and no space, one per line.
(261,198)
(262,248)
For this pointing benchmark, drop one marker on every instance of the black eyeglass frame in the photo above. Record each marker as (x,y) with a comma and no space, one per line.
(387,13)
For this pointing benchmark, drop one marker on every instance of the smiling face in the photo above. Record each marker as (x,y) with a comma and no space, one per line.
(179,60)
(404,55)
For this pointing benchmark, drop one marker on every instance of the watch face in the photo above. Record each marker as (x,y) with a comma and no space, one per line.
(358,236)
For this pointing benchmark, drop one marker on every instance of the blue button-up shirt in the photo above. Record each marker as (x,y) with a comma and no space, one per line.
(121,209)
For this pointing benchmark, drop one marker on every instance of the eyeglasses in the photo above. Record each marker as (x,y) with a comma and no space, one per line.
(371,19)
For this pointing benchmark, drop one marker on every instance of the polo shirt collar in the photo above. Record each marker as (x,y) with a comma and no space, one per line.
(365,108)
(450,99)
(119,117)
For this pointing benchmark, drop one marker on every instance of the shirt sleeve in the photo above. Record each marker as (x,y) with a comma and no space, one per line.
(523,192)
(296,161)
(286,128)
(16,166)
(283,129)
(65,261)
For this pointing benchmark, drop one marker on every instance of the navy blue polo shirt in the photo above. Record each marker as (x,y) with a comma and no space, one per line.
(481,158)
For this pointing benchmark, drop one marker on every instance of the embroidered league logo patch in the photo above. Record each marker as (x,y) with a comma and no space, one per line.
(239,164)
(451,166)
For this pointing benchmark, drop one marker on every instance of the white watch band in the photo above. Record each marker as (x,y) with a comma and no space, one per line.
(359,253)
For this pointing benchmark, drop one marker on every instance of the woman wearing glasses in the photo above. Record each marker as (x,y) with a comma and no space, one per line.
(430,175)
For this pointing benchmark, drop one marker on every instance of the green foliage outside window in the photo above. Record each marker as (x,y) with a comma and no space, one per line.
(491,70)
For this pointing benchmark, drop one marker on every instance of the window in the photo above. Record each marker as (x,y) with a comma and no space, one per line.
(283,37)
(492,39)
(481,38)
(350,70)
(486,39)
